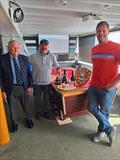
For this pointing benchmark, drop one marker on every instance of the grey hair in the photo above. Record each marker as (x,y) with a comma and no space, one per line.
(12,41)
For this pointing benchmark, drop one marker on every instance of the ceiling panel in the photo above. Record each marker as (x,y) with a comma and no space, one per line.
(51,17)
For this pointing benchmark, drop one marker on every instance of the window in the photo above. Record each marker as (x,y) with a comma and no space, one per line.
(85,45)
(72,45)
(32,44)
(57,43)
(32,49)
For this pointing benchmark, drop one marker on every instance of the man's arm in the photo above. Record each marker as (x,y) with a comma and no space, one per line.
(115,84)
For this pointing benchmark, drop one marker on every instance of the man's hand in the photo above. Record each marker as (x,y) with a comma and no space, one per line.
(115,84)
(109,87)
(4,95)
(29,91)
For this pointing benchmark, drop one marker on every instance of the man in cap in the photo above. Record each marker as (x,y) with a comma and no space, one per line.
(42,65)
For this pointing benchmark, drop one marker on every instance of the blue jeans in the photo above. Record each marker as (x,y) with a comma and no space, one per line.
(99,104)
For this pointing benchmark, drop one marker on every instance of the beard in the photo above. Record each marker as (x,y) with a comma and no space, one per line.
(102,40)
(44,52)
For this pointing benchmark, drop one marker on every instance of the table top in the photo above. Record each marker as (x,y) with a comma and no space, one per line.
(76,91)
(73,92)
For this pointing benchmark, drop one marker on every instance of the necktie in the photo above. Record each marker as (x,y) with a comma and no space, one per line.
(17,72)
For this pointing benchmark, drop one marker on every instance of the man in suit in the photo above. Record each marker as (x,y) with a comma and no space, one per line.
(15,82)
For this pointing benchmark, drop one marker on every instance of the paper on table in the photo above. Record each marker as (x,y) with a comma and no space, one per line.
(66,88)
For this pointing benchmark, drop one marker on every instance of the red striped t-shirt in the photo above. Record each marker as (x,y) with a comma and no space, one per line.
(105,59)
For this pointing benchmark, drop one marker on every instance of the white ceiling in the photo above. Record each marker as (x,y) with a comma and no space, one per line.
(51,17)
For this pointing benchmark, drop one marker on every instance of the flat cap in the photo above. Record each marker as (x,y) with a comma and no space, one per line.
(44,41)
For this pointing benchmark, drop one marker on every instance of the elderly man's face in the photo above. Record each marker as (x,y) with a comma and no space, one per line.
(43,48)
(14,48)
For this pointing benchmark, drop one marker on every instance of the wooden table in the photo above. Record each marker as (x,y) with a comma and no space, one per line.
(70,103)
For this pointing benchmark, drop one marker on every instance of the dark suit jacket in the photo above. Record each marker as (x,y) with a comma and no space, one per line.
(6,76)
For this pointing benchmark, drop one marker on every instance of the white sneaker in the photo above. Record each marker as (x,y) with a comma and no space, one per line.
(98,137)
(111,136)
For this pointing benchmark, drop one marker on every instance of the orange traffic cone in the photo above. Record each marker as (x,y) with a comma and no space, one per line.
(4,134)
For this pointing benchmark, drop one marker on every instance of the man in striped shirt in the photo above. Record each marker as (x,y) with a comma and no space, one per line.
(105,77)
